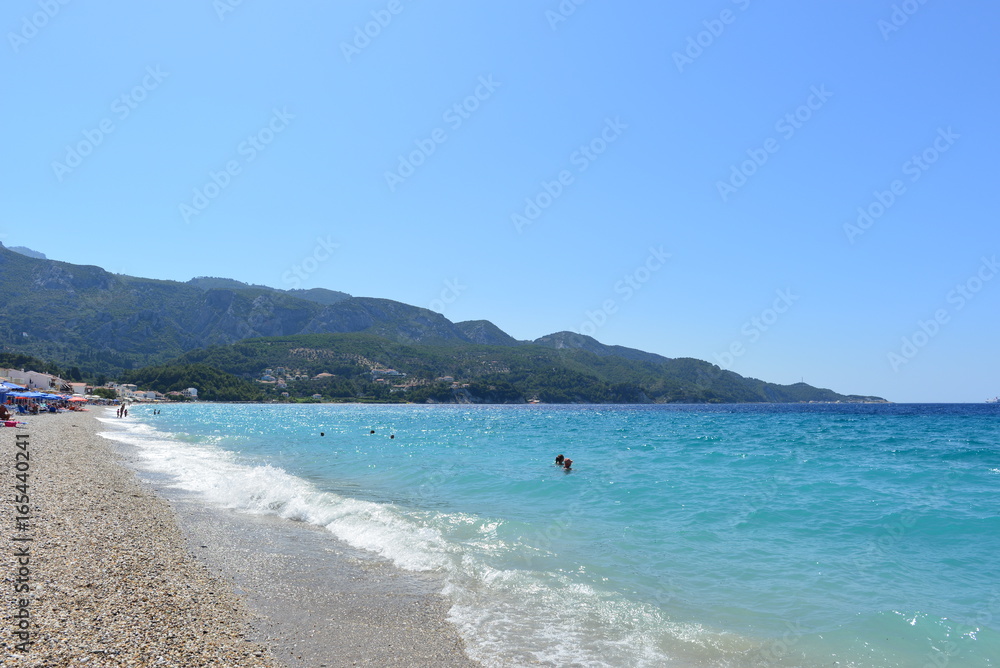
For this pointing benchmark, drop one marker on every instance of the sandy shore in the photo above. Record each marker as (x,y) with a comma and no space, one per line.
(116,580)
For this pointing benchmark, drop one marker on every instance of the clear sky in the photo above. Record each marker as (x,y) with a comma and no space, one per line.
(684,178)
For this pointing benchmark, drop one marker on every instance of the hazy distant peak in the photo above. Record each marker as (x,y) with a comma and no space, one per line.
(572,340)
(486,333)
(320,295)
(215,283)
(28,252)
(316,295)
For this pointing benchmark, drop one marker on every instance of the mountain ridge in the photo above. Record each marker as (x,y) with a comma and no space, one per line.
(84,316)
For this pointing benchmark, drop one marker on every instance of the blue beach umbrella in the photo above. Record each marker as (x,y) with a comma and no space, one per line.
(11,386)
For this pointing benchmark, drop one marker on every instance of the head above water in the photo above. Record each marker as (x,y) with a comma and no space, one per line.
(559,459)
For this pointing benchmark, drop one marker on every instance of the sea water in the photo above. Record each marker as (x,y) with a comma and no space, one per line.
(737,536)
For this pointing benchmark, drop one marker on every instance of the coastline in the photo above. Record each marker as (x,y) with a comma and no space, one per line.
(121,576)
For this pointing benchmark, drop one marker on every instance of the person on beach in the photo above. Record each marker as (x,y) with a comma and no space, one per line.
(567,465)
(4,413)
(559,460)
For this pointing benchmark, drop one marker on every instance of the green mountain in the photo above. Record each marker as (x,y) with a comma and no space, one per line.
(486,333)
(572,340)
(103,322)
(375,368)
(225,333)
(318,295)
(212,384)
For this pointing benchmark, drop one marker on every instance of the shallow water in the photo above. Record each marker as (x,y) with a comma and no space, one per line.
(755,535)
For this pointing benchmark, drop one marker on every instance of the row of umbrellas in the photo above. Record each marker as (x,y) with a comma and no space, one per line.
(36,395)
(15,390)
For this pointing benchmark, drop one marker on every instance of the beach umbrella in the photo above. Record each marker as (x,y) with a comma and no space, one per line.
(12,386)
(77,399)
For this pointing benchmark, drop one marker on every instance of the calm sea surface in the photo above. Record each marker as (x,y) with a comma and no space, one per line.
(736,536)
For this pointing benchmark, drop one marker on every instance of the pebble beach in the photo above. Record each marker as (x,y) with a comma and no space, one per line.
(115,579)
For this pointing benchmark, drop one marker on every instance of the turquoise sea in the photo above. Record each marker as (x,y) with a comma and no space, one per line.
(729,536)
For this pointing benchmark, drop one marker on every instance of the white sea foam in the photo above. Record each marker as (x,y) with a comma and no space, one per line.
(508,615)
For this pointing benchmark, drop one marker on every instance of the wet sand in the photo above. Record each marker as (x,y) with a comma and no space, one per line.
(121,576)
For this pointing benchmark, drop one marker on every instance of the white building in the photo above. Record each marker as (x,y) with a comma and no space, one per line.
(33,380)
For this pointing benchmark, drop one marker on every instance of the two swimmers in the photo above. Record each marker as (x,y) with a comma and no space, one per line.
(567,464)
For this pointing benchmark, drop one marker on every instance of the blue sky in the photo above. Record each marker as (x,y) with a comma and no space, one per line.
(684,178)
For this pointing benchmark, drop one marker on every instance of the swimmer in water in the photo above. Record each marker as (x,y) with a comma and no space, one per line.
(567,464)
(559,460)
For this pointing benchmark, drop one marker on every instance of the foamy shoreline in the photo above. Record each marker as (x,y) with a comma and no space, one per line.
(114,581)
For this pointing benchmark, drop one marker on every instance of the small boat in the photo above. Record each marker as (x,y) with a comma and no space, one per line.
(994,400)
